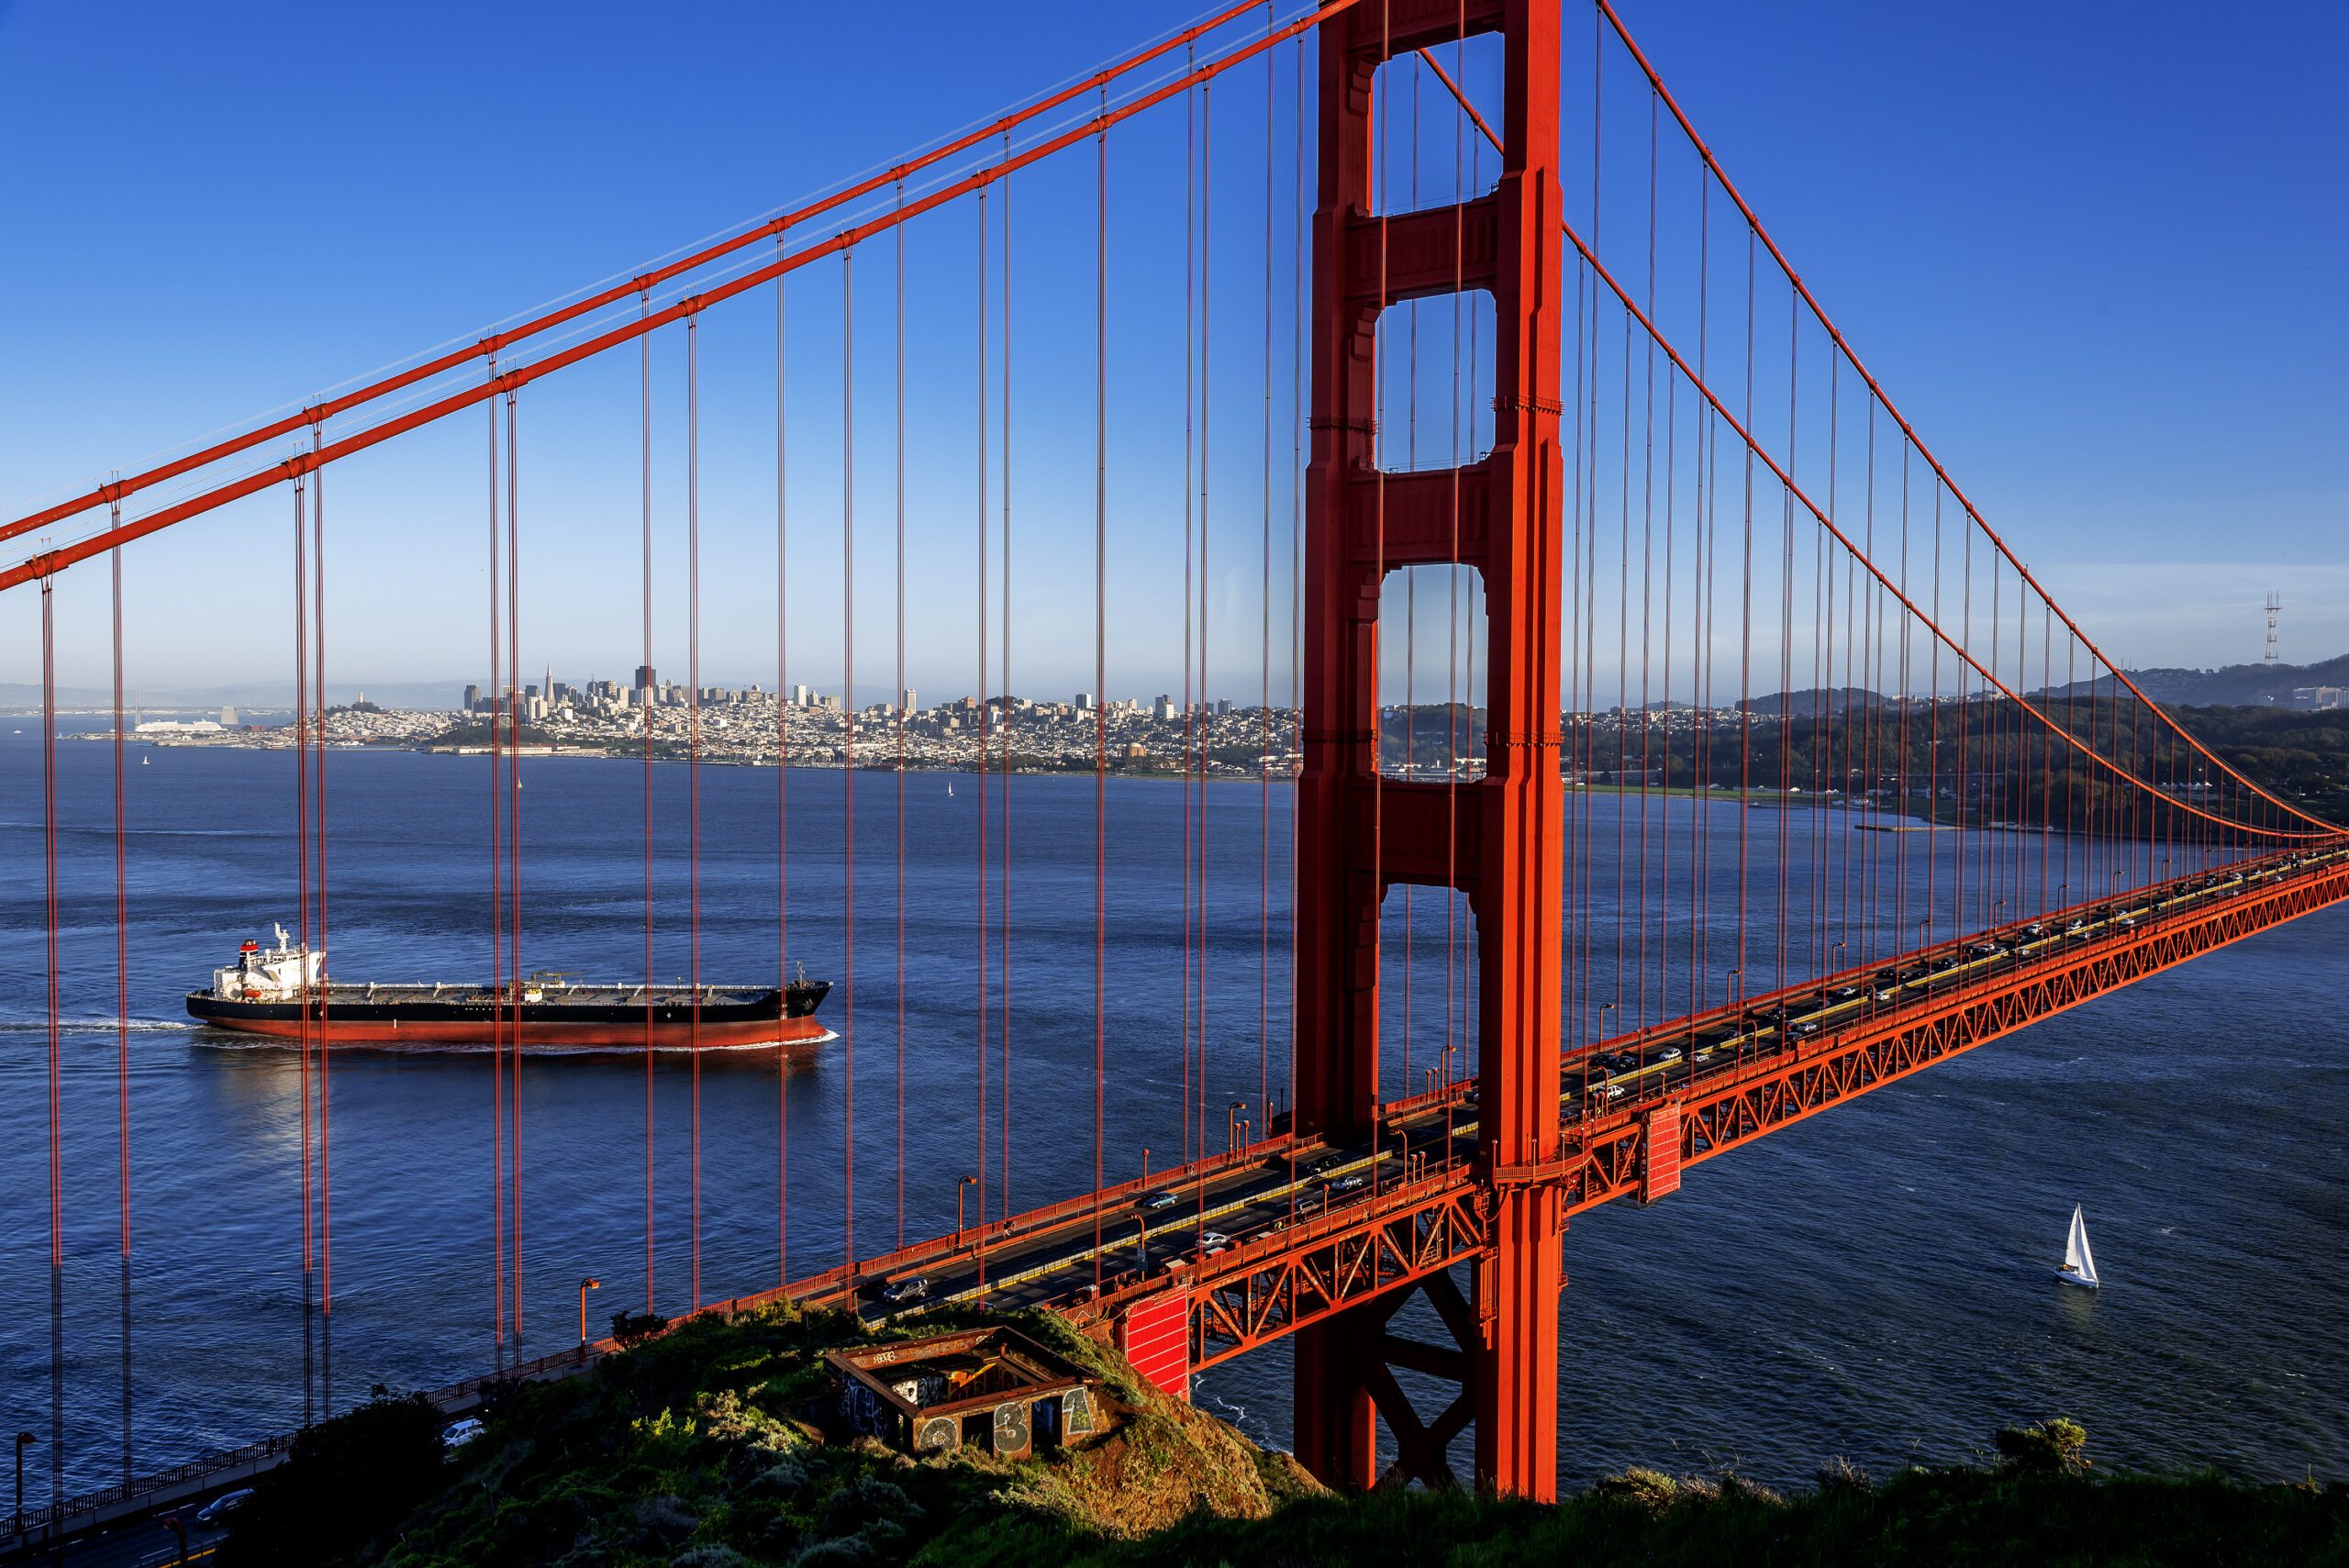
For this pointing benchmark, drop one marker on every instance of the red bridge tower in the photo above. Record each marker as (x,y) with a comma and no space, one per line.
(1498,841)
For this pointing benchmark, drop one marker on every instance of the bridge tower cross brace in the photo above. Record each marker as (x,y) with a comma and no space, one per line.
(1359,835)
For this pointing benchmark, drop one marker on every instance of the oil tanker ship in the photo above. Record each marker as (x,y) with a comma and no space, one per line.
(268,992)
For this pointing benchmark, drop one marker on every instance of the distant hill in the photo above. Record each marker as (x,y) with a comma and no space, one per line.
(2237,686)
(1812,703)
(259,696)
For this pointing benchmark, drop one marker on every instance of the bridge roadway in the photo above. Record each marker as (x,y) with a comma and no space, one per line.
(1183,1228)
(1405,1201)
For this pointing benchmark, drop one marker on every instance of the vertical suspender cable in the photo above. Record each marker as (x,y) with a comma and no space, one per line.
(1003,937)
(847,769)
(514,846)
(1624,674)
(48,930)
(1664,831)
(1586,576)
(980,1124)
(121,926)
(305,1008)
(692,763)
(56,1087)
(497,904)
(898,704)
(1383,194)
(1452,739)
(782,805)
(1264,696)
(1411,573)
(1100,658)
(1295,568)
(1701,664)
(1190,409)
(1786,648)
(644,694)
(1647,567)
(1933,737)
(121,991)
(1745,638)
(1199,883)
(318,868)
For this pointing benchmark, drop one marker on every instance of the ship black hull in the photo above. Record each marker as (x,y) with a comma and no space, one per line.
(574,1018)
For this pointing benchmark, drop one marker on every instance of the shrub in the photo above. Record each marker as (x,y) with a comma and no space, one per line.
(348,1481)
(2052,1448)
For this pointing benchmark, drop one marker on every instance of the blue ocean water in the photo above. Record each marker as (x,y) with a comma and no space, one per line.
(1874,1285)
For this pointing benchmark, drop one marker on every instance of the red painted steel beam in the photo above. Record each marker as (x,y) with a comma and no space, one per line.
(49,562)
(1604,1158)
(1355,830)
(1521,920)
(497,343)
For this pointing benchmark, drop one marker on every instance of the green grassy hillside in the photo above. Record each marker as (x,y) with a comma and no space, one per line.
(707,1448)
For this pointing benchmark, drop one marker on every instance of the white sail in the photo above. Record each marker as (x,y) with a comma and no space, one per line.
(2077,1259)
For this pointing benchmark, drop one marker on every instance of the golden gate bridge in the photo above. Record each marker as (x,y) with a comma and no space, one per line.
(1528,357)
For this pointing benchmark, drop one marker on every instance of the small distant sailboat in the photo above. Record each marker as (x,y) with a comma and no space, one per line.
(950,789)
(2079,1263)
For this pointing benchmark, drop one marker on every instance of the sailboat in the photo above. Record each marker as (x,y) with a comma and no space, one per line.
(2079,1263)
(950,789)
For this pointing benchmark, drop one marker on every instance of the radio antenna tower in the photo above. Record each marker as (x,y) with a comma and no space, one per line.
(2275,606)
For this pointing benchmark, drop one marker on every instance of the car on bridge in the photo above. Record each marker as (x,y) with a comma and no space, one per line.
(1152,1203)
(897,1292)
(1659,1055)
(228,1503)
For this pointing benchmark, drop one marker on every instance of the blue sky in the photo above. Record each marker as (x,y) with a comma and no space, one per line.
(2095,253)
